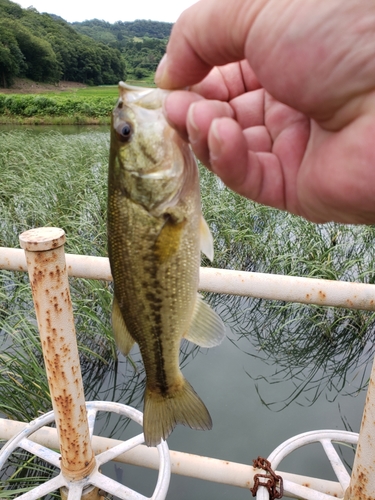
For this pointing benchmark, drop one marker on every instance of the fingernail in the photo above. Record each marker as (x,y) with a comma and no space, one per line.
(215,142)
(193,130)
(160,70)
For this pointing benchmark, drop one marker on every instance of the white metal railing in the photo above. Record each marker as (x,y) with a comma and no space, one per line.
(261,285)
(42,246)
(184,464)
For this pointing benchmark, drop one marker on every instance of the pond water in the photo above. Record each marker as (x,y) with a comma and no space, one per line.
(244,427)
(63,129)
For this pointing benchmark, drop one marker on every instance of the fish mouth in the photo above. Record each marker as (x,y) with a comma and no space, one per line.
(145,97)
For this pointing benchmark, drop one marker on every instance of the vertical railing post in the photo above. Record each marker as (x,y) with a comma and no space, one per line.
(44,249)
(362,481)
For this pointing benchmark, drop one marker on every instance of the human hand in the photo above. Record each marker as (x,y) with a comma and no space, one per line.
(291,122)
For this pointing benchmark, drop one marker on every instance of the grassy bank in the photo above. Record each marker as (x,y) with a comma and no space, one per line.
(82,106)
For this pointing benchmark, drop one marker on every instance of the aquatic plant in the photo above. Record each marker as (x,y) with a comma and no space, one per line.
(59,180)
(315,347)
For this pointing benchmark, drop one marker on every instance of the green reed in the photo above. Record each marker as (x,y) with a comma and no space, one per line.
(314,347)
(60,180)
(57,180)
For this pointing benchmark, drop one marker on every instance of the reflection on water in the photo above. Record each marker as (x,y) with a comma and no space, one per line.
(243,426)
(275,357)
(315,348)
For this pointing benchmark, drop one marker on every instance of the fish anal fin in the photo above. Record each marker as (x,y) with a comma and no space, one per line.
(206,328)
(124,340)
(206,239)
(163,412)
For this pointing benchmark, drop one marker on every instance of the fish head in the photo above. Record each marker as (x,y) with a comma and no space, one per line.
(151,162)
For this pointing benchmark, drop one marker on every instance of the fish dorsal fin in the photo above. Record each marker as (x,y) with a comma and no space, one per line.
(207,328)
(124,340)
(207,241)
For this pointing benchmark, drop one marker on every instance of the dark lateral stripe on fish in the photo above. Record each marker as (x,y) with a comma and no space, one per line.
(161,376)
(155,301)
(155,304)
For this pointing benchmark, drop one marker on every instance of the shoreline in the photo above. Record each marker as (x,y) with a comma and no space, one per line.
(53,120)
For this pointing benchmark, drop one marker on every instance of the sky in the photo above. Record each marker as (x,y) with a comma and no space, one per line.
(111,10)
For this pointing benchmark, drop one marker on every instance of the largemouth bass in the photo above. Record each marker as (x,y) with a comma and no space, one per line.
(155,234)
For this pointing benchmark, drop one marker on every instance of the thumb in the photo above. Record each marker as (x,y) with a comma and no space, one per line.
(209,33)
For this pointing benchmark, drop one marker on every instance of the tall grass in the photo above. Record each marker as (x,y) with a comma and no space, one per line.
(52,179)
(56,180)
(59,180)
(313,346)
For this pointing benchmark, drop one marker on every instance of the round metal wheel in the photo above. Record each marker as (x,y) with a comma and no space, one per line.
(325,438)
(96,478)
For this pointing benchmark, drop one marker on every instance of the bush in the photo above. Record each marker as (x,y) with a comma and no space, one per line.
(58,105)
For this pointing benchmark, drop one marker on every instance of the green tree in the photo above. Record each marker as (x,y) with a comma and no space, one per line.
(46,48)
(11,57)
(11,9)
(40,59)
(112,65)
(142,55)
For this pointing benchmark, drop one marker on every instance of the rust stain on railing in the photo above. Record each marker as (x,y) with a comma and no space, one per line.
(321,292)
(50,288)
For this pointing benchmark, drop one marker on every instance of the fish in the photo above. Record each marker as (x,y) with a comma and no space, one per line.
(156,232)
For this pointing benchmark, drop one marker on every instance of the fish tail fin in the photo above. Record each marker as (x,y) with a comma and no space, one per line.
(163,412)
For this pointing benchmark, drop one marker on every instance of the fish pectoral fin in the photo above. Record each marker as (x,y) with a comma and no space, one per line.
(206,329)
(206,239)
(124,340)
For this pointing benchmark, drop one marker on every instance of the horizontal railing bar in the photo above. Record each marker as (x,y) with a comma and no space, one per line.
(260,285)
(185,464)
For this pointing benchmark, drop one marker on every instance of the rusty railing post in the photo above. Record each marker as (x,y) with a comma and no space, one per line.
(362,481)
(44,249)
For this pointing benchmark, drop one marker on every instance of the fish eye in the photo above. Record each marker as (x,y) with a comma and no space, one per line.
(124,131)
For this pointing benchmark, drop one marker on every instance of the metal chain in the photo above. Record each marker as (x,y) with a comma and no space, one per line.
(271,479)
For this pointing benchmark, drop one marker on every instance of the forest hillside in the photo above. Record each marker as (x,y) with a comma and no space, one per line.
(46,48)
